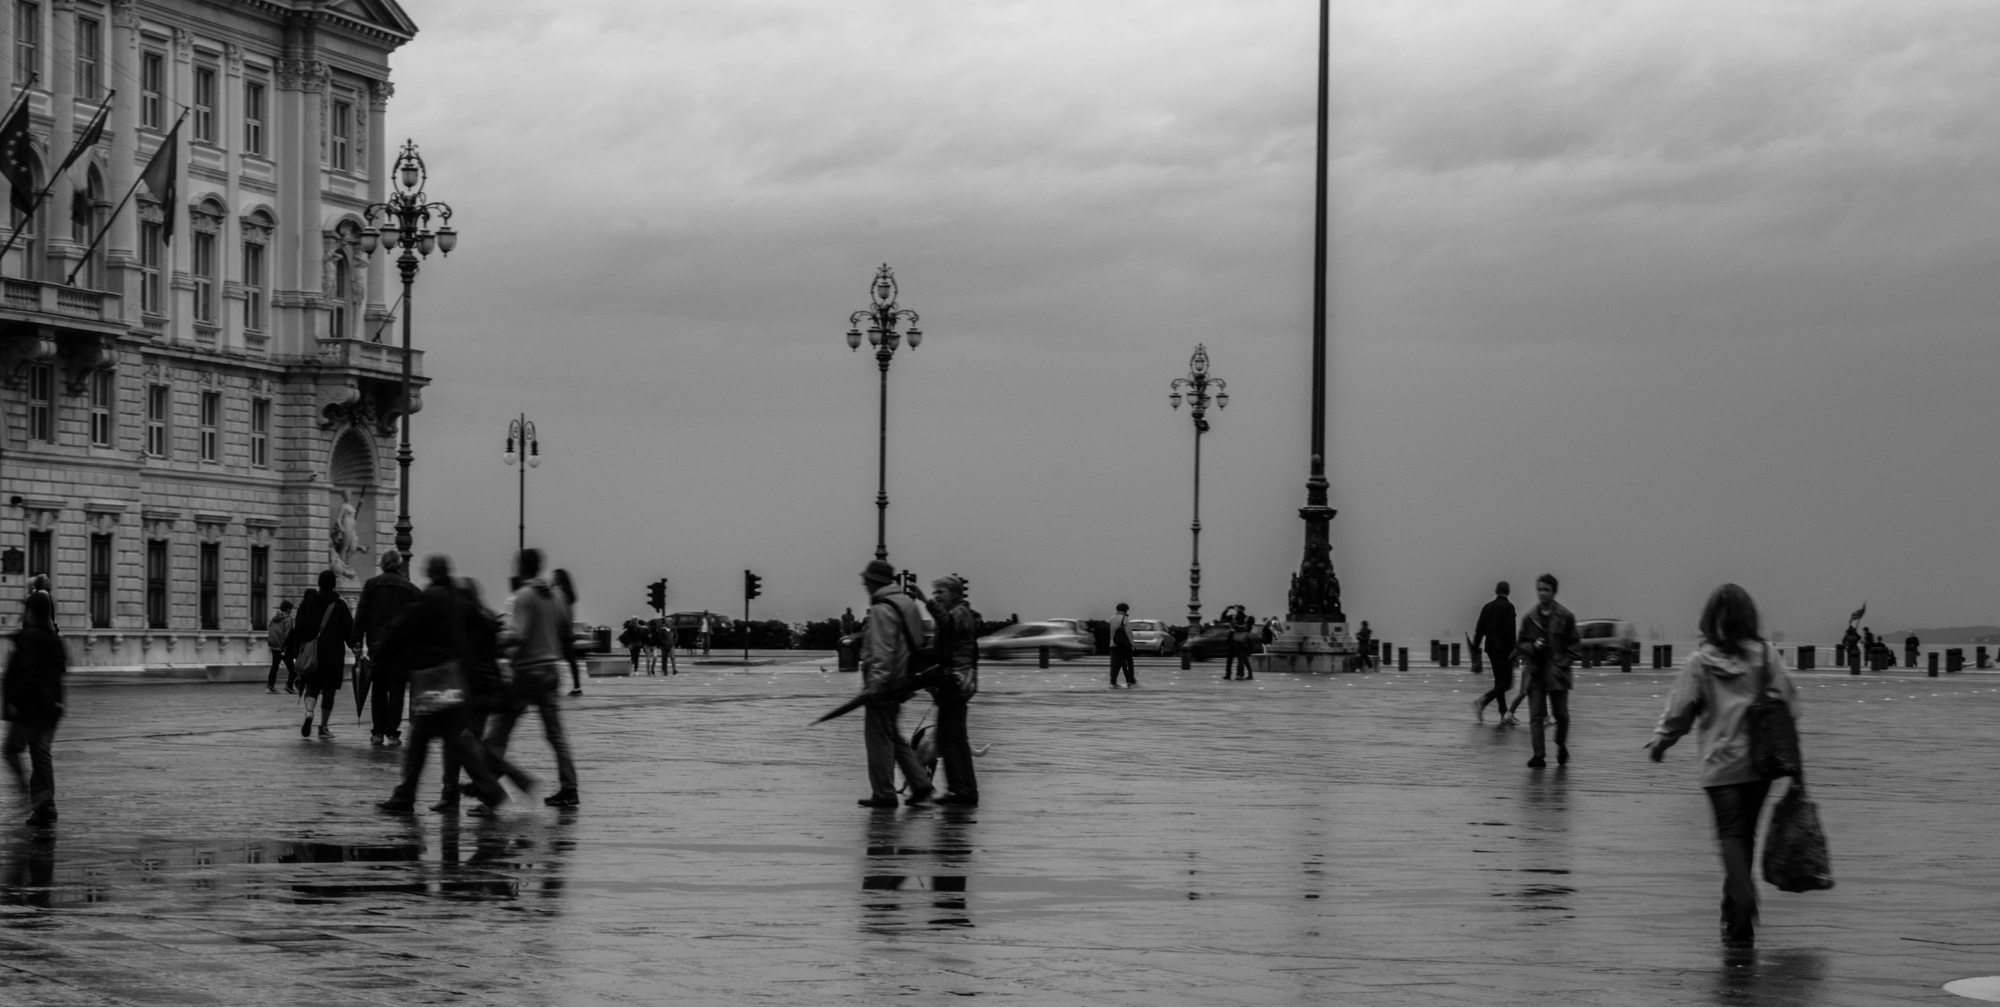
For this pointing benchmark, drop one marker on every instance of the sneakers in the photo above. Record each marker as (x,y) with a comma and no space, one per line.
(1479,710)
(1537,762)
(576,692)
(376,740)
(448,806)
(306,729)
(916,799)
(325,735)
(877,802)
(564,798)
(393,740)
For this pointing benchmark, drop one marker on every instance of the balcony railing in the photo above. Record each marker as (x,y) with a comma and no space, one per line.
(58,299)
(382,358)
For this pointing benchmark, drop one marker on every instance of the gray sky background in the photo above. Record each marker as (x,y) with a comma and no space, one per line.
(1652,295)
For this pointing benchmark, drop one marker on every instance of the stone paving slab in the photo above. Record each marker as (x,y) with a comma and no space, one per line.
(1355,839)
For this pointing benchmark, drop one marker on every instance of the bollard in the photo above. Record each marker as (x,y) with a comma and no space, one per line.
(1853,657)
(1954,659)
(1388,653)
(1455,662)
(1807,657)
(1625,659)
(1656,658)
(1402,658)
(1933,656)
(1980,654)
(1045,657)
(1666,655)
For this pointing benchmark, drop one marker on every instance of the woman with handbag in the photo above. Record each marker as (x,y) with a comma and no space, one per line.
(319,639)
(1726,693)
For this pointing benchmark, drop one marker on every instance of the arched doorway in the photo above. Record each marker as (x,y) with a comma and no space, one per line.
(351,506)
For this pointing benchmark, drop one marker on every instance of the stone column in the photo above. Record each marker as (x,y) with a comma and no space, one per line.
(380,159)
(177,269)
(121,260)
(296,257)
(229,244)
(62,251)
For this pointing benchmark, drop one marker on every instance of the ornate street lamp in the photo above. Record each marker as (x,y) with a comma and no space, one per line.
(406,224)
(1199,389)
(521,434)
(883,316)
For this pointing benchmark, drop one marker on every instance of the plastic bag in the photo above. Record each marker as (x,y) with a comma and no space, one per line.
(1795,854)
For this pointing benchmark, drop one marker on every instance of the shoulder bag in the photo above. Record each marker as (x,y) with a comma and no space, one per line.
(307,663)
(1774,735)
(441,687)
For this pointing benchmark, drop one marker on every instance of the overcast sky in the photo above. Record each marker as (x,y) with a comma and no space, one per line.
(1652,295)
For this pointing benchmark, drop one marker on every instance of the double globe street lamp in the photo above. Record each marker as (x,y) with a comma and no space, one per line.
(406,224)
(521,434)
(882,318)
(1199,389)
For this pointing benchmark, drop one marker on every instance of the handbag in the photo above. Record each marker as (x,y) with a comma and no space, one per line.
(1795,855)
(307,663)
(437,688)
(1774,735)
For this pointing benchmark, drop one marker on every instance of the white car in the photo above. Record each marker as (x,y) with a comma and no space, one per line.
(1026,639)
(1150,636)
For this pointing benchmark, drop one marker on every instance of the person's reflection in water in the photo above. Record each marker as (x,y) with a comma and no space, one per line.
(31,869)
(1542,882)
(953,848)
(882,871)
(1794,978)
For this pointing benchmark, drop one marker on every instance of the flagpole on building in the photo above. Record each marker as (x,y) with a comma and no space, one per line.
(173,136)
(91,134)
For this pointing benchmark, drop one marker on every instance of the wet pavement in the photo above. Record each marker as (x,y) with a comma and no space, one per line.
(1350,840)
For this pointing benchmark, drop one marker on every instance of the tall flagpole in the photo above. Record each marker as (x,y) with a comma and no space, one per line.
(43,195)
(106,229)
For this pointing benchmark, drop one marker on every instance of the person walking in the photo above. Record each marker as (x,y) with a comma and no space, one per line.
(565,587)
(1547,646)
(1121,650)
(1364,641)
(485,690)
(629,637)
(324,625)
(888,647)
(383,599)
(281,627)
(956,648)
(32,701)
(1729,671)
(539,630)
(431,643)
(1910,646)
(1850,649)
(1494,634)
(1240,624)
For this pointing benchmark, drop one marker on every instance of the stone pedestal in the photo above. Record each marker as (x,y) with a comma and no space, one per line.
(1310,648)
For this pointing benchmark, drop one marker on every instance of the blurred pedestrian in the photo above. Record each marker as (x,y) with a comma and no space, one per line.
(1121,649)
(956,648)
(560,580)
(1494,634)
(888,648)
(40,584)
(1547,647)
(1850,649)
(32,702)
(318,643)
(1364,641)
(281,627)
(1239,623)
(430,643)
(631,638)
(485,690)
(383,598)
(1729,671)
(1910,646)
(538,629)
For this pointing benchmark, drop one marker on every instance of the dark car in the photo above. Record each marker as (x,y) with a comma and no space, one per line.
(1212,641)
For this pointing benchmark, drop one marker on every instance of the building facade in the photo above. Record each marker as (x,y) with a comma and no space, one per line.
(204,419)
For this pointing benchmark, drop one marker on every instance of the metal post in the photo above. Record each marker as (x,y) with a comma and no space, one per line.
(408,265)
(882,460)
(521,529)
(1194,562)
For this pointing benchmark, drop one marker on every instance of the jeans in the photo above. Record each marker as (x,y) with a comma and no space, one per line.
(1239,659)
(1736,808)
(1121,658)
(477,712)
(448,726)
(291,673)
(1503,679)
(888,749)
(1541,701)
(544,699)
(38,739)
(955,748)
(385,694)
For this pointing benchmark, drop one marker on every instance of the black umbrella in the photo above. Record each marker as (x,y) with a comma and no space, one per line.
(911,686)
(363,668)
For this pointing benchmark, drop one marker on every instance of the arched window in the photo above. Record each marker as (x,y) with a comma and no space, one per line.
(86,216)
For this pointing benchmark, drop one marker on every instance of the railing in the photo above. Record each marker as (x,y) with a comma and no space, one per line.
(59,299)
(382,357)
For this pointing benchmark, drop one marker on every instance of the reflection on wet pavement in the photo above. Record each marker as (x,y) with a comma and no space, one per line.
(1352,840)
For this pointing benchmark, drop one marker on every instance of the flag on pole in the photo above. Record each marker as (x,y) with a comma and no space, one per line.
(17,160)
(161,177)
(1858,613)
(91,134)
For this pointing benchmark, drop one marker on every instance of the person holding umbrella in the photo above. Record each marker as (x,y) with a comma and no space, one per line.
(383,598)
(887,676)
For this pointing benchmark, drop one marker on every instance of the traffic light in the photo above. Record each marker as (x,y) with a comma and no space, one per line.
(753,585)
(656,595)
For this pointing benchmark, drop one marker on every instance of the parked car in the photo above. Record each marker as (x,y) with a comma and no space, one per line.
(1608,641)
(1026,639)
(1150,636)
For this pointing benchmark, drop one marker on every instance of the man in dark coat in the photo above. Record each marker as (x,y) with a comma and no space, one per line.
(1547,646)
(440,627)
(324,624)
(383,598)
(956,649)
(32,701)
(1495,635)
(1121,650)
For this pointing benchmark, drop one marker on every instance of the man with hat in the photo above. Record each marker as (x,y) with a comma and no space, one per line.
(889,643)
(281,627)
(1121,648)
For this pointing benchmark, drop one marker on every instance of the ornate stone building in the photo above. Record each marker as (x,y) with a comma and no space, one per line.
(204,420)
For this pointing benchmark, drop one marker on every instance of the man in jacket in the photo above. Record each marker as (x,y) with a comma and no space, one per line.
(539,630)
(957,651)
(281,627)
(383,598)
(888,647)
(32,702)
(1121,651)
(436,628)
(1495,635)
(1547,646)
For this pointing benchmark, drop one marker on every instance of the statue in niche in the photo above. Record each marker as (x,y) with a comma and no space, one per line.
(342,537)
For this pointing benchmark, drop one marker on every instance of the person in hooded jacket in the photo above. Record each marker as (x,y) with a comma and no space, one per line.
(1726,673)
(32,701)
(437,628)
(325,623)
(538,632)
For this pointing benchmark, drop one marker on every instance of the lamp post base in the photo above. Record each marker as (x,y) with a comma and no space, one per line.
(1309,646)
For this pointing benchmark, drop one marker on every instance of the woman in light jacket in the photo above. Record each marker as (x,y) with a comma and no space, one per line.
(1716,687)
